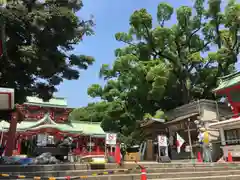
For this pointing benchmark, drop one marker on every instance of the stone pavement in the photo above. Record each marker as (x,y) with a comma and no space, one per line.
(155,171)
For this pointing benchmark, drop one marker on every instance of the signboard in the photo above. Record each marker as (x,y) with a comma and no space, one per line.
(6,98)
(41,140)
(187,149)
(111,138)
(91,144)
(162,140)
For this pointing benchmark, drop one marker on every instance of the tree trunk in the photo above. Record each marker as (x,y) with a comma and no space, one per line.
(185,92)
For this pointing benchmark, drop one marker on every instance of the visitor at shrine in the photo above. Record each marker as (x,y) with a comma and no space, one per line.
(204,142)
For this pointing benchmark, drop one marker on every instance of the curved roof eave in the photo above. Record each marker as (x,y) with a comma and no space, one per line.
(67,129)
(46,119)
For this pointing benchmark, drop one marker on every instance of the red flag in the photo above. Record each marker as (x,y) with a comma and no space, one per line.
(117,154)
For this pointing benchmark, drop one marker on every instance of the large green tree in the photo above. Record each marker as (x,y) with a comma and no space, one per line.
(162,67)
(39,37)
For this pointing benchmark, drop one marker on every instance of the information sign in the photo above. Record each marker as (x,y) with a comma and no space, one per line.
(111,138)
(162,140)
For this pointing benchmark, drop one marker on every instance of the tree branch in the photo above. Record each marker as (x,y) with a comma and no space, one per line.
(149,39)
(201,48)
(190,37)
(236,38)
(205,66)
(191,68)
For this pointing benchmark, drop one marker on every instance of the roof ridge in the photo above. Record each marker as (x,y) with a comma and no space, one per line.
(84,122)
(229,76)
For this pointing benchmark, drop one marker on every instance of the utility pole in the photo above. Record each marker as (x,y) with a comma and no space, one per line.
(190,139)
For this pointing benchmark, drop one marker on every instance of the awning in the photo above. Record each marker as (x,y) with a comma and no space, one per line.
(226,124)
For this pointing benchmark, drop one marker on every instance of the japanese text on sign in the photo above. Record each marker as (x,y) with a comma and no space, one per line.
(111,138)
(162,140)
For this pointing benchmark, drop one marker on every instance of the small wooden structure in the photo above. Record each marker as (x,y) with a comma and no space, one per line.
(152,128)
(182,120)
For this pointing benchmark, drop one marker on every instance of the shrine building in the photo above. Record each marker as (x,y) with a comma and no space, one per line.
(229,127)
(52,121)
(185,120)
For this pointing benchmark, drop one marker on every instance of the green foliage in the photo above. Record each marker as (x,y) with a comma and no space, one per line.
(113,118)
(163,67)
(94,112)
(158,115)
(40,36)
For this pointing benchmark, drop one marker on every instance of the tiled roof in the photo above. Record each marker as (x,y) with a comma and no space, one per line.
(77,127)
(54,102)
(228,81)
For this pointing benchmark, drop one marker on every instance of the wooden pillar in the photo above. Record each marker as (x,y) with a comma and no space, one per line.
(222,136)
(11,134)
(171,141)
(19,142)
(149,153)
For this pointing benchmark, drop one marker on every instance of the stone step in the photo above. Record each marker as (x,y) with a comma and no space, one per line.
(61,167)
(210,172)
(169,176)
(63,173)
(228,177)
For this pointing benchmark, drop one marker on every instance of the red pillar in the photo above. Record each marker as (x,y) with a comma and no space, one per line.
(97,146)
(19,142)
(11,134)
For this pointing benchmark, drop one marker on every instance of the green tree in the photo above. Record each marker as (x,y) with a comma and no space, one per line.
(105,112)
(95,112)
(39,39)
(163,67)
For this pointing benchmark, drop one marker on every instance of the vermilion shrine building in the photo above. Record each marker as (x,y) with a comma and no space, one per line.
(230,127)
(52,118)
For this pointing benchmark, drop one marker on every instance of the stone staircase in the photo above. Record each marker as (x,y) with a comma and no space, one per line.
(170,171)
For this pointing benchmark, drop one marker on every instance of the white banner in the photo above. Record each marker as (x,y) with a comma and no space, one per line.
(162,140)
(111,138)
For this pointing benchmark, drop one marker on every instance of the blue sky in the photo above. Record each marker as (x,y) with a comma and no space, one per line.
(111,16)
